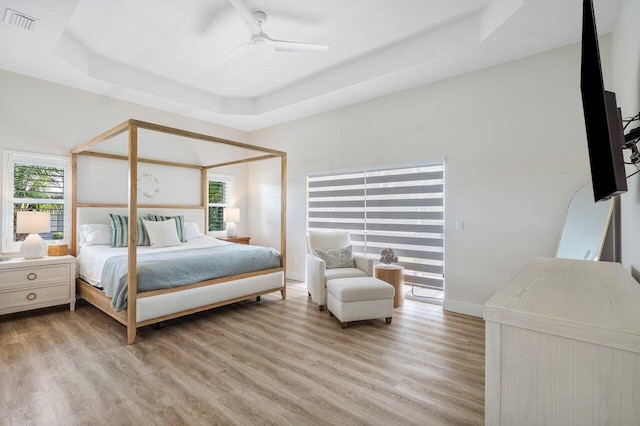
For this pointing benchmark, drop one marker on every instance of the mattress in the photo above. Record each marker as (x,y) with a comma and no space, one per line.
(91,259)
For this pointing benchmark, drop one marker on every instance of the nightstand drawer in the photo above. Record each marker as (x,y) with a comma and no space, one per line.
(34,296)
(34,276)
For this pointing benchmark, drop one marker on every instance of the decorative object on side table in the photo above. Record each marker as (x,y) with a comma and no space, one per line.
(388,256)
(231,216)
(33,223)
(58,250)
(392,274)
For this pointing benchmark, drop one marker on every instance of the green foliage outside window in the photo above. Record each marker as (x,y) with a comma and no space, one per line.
(216,213)
(32,186)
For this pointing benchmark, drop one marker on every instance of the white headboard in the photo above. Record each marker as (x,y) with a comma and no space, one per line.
(101,215)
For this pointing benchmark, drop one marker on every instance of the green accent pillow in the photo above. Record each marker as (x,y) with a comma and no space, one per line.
(120,231)
(179,224)
(340,258)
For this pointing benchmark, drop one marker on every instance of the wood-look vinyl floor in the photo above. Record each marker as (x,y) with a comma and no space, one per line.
(272,362)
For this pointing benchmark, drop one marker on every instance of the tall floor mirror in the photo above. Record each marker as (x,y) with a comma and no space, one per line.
(585,226)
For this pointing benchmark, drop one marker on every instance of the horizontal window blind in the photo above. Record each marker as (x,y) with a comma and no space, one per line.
(401,208)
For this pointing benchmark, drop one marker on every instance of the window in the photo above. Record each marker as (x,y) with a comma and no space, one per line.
(35,182)
(220,197)
(401,208)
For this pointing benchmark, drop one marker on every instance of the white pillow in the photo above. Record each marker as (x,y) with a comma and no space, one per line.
(162,233)
(191,231)
(95,234)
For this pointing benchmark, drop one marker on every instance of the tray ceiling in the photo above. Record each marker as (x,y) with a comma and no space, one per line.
(169,55)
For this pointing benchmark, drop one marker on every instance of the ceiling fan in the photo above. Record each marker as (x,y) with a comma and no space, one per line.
(254,22)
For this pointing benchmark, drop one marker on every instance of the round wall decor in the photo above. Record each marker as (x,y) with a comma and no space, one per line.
(148,184)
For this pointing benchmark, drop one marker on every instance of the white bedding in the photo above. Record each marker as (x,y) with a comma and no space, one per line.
(90,262)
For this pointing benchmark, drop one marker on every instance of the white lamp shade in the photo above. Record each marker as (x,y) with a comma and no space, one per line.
(232,215)
(33,222)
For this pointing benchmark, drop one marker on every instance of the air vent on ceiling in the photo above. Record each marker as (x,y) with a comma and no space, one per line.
(19,19)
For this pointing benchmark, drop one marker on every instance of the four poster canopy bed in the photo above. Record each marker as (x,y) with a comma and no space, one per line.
(139,285)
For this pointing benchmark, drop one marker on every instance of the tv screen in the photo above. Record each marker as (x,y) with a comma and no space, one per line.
(605,134)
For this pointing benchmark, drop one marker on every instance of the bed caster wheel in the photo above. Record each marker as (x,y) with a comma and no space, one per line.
(388,320)
(344,325)
(321,307)
(257,298)
(309,294)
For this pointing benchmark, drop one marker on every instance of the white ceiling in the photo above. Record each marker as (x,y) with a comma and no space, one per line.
(168,54)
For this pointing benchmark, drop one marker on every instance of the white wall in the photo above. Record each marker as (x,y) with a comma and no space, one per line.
(515,147)
(625,62)
(42,117)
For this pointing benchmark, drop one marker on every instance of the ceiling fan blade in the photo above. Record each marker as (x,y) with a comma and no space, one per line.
(237,52)
(293,46)
(246,16)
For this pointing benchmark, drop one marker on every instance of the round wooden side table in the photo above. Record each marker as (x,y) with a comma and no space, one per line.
(394,275)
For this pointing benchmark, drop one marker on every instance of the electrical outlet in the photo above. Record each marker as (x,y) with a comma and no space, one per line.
(295,259)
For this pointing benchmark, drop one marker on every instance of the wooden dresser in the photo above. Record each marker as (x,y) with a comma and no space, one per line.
(563,346)
(36,283)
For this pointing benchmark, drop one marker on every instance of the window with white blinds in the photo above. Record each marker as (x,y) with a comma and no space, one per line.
(401,208)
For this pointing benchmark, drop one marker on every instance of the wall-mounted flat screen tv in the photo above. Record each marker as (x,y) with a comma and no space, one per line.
(605,134)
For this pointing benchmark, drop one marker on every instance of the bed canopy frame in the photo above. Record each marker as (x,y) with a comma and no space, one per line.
(95,296)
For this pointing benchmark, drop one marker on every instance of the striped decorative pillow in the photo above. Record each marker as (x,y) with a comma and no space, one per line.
(179,224)
(120,231)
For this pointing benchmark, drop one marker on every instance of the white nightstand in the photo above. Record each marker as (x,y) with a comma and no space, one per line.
(36,283)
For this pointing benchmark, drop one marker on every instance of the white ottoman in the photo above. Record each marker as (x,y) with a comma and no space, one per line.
(360,298)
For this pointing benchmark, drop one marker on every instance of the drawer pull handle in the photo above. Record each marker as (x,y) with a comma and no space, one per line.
(32,276)
(31,296)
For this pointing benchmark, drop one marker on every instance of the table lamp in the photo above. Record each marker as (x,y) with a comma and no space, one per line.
(231,216)
(32,223)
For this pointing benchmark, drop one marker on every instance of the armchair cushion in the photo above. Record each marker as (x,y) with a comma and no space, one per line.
(337,258)
(331,274)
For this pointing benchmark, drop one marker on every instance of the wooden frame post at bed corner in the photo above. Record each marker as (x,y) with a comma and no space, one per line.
(283,220)
(129,317)
(74,204)
(132,279)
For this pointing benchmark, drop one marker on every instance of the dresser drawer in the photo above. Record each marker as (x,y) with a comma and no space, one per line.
(37,275)
(34,296)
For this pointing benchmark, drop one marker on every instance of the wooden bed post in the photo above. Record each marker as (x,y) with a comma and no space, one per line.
(132,276)
(205,198)
(283,220)
(74,203)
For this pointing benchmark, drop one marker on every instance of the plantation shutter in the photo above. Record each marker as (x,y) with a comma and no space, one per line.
(34,182)
(401,208)
(220,197)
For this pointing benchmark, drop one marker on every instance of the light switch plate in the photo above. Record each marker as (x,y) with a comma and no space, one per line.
(459,225)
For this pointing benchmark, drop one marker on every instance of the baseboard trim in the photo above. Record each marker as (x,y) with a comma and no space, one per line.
(295,276)
(463,308)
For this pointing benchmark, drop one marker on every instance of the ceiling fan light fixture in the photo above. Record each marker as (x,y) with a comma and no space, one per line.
(260,40)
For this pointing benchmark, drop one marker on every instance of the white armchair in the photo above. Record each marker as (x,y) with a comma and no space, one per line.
(318,275)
